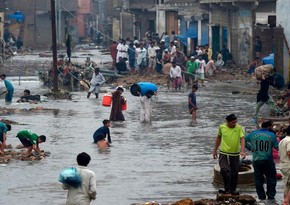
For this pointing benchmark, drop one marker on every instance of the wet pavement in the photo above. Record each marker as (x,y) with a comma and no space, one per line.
(165,161)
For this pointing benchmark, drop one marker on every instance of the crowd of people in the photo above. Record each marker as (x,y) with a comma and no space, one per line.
(165,56)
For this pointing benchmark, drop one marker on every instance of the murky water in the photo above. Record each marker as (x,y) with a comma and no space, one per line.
(165,161)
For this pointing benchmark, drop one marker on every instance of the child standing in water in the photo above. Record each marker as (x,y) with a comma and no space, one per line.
(192,102)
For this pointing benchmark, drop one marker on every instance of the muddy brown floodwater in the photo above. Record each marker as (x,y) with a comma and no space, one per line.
(165,161)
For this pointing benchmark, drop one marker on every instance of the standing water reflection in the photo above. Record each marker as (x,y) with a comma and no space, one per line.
(167,160)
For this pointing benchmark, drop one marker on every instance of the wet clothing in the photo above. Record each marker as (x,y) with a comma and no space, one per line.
(230,171)
(102,130)
(146,109)
(262,169)
(284,147)
(262,142)
(86,192)
(10,89)
(96,82)
(116,110)
(3,130)
(27,138)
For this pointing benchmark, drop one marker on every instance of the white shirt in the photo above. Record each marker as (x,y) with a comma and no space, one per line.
(97,79)
(175,72)
(86,192)
(122,50)
(284,147)
(141,55)
(173,50)
(201,65)
(151,52)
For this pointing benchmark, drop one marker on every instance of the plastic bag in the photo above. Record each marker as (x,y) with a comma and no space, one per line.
(71,177)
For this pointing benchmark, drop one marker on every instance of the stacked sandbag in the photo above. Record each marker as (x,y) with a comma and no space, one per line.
(263,70)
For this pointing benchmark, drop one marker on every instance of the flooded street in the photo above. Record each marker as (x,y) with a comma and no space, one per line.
(165,161)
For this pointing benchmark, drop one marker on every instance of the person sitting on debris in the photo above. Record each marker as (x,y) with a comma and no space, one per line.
(96,82)
(4,128)
(31,141)
(29,98)
(121,66)
(103,131)
(9,87)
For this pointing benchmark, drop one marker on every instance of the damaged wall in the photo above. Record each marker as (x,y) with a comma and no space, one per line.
(283,19)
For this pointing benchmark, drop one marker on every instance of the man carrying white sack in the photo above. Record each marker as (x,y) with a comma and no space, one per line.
(96,82)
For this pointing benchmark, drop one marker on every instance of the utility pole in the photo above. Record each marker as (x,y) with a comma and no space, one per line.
(59,23)
(54,46)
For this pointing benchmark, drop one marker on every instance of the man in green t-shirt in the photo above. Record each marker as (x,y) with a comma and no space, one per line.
(30,140)
(4,128)
(191,67)
(231,143)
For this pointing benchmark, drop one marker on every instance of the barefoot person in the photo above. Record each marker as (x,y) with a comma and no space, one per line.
(192,102)
(31,141)
(3,131)
(96,82)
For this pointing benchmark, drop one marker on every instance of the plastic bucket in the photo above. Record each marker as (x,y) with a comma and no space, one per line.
(143,88)
(124,106)
(107,100)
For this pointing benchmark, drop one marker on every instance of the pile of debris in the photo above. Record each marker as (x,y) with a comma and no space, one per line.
(220,200)
(11,154)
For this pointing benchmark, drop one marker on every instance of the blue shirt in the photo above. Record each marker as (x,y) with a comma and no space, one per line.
(193,100)
(102,130)
(131,53)
(261,142)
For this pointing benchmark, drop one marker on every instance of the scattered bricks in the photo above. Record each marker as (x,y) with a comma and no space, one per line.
(8,146)
(20,146)
(184,202)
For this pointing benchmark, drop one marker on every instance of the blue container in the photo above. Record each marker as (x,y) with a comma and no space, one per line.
(268,60)
(143,88)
